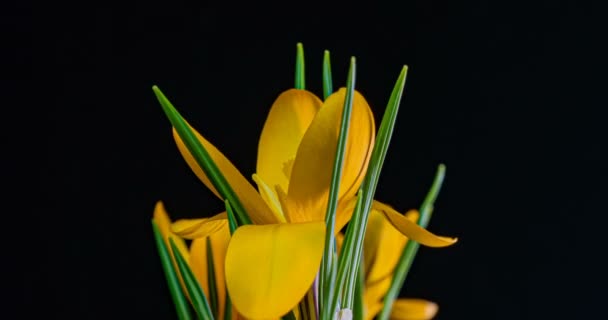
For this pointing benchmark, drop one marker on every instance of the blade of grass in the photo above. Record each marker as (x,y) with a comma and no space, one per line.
(334,188)
(179,300)
(195,292)
(213,298)
(201,156)
(300,81)
(327,78)
(410,250)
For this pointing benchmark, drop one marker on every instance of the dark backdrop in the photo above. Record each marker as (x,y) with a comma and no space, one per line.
(507,95)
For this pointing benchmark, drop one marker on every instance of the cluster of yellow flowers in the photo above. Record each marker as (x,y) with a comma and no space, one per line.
(268,263)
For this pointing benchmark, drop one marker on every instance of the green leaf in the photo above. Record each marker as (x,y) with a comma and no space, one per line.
(289,316)
(411,248)
(213,298)
(327,79)
(358,310)
(195,292)
(300,82)
(201,155)
(339,290)
(332,205)
(307,306)
(179,300)
(232,223)
(370,181)
(228,308)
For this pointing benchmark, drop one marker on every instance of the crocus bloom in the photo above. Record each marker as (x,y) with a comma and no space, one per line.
(382,247)
(196,256)
(272,264)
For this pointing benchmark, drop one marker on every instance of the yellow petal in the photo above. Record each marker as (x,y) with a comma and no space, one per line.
(344,212)
(371,241)
(384,244)
(269,268)
(198,263)
(312,169)
(164,225)
(252,202)
(199,228)
(339,242)
(270,197)
(374,293)
(288,119)
(371,310)
(162,220)
(413,309)
(411,229)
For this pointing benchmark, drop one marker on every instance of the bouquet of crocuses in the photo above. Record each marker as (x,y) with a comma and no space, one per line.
(311,242)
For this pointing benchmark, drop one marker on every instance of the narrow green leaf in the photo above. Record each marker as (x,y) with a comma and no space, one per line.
(228,308)
(300,82)
(289,316)
(327,78)
(410,250)
(429,201)
(370,181)
(213,298)
(359,302)
(337,291)
(307,306)
(201,155)
(232,223)
(195,292)
(179,300)
(332,205)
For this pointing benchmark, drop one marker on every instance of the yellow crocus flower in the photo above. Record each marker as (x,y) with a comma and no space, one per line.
(382,248)
(272,264)
(196,256)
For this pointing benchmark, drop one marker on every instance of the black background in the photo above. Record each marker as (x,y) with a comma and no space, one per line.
(507,95)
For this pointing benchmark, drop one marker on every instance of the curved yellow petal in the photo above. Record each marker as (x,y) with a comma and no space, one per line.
(413,309)
(312,169)
(198,263)
(199,228)
(385,245)
(269,268)
(371,241)
(164,225)
(374,293)
(371,310)
(344,212)
(162,220)
(411,229)
(252,202)
(289,117)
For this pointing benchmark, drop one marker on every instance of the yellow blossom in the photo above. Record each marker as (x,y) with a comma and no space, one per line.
(271,265)
(383,245)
